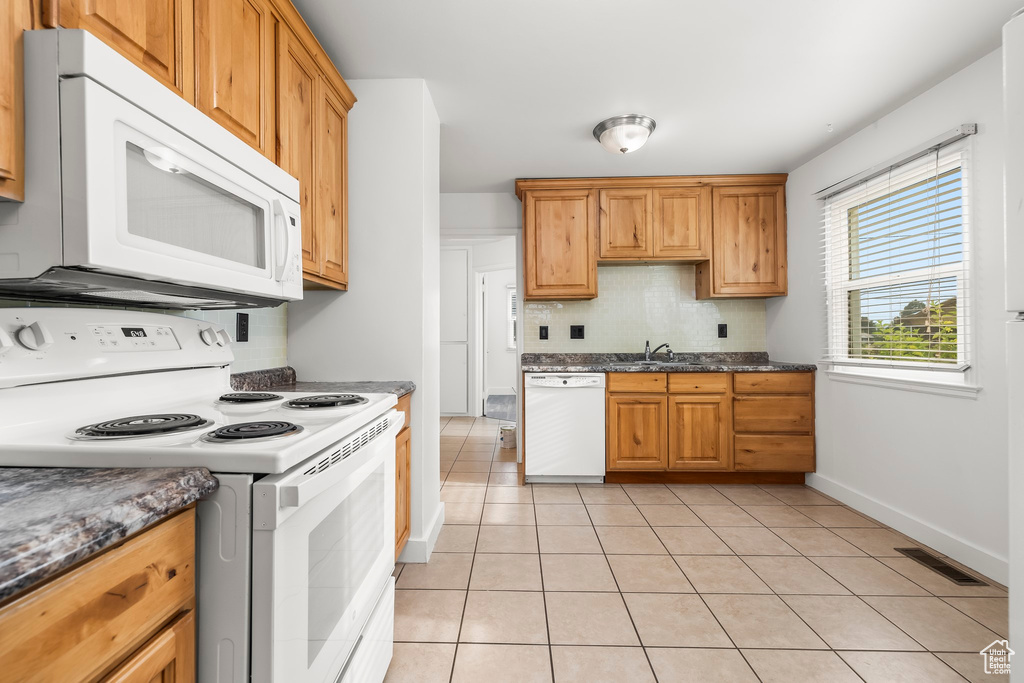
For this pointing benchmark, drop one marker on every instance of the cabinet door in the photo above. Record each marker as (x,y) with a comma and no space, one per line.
(154,34)
(698,437)
(403,451)
(235,68)
(297,81)
(637,432)
(682,223)
(625,224)
(15,18)
(330,203)
(560,244)
(169,657)
(749,243)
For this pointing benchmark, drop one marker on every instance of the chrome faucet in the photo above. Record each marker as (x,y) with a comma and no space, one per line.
(648,352)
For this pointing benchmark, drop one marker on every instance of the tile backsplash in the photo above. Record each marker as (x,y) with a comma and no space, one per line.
(636,303)
(268,332)
(268,336)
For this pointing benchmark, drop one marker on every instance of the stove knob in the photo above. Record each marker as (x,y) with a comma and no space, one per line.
(223,338)
(35,337)
(209,336)
(6,343)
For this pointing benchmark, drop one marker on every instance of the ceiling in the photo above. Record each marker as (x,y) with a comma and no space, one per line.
(736,86)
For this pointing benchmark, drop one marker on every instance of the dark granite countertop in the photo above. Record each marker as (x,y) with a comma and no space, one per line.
(687,362)
(283,379)
(52,518)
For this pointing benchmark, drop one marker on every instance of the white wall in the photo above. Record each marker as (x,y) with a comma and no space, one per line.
(499,361)
(469,211)
(387,326)
(933,466)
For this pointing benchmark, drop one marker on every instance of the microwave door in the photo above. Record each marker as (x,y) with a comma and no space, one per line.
(143,200)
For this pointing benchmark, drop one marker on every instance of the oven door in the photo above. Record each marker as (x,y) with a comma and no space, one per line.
(323,550)
(144,200)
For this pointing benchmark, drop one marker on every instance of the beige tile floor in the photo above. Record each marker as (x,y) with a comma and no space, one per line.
(596,583)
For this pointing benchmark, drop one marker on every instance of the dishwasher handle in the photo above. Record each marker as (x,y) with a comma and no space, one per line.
(565,381)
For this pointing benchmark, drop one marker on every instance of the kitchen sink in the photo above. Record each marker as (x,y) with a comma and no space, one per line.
(649,364)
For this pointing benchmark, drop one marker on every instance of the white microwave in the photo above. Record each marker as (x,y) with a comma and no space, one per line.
(134,197)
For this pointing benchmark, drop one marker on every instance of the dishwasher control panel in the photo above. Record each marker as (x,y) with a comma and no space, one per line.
(565,381)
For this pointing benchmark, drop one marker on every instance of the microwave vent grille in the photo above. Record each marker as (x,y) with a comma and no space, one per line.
(350,446)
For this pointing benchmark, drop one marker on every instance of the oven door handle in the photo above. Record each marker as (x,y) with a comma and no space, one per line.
(276,497)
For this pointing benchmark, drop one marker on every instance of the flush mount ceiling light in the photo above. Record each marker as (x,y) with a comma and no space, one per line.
(624,134)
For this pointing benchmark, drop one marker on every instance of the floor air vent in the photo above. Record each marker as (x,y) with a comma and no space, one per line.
(941,567)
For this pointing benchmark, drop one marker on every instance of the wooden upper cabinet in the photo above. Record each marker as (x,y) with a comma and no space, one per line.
(637,429)
(749,243)
(15,18)
(154,34)
(235,51)
(682,223)
(698,437)
(332,184)
(625,223)
(560,244)
(297,82)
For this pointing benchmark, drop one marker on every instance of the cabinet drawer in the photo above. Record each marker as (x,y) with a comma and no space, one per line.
(773,414)
(698,383)
(773,453)
(80,625)
(645,382)
(773,382)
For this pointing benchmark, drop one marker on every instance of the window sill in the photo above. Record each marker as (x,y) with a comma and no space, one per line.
(921,386)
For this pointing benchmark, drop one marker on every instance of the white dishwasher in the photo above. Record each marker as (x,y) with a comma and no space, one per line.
(564,427)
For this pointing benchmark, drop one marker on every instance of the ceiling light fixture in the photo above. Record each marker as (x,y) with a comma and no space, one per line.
(624,134)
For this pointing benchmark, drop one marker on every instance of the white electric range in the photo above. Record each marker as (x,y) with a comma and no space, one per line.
(296,547)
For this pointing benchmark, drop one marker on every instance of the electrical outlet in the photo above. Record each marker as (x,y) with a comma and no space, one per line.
(242,327)
(575,331)
(723,331)
(543,331)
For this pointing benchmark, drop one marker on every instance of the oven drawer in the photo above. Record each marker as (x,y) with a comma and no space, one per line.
(372,654)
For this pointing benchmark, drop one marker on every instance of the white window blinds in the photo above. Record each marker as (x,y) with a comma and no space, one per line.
(896,253)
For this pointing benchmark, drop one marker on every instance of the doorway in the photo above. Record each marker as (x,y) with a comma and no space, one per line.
(480,326)
(497,348)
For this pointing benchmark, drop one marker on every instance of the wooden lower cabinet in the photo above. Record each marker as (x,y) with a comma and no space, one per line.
(403,471)
(679,424)
(403,451)
(637,432)
(126,615)
(698,437)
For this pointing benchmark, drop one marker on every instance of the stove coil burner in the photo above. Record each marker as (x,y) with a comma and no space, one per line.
(142,425)
(327,401)
(249,397)
(253,430)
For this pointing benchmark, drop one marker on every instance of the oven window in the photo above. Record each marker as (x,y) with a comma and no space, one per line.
(342,551)
(170,205)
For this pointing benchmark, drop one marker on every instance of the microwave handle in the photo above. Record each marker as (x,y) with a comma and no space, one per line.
(281,226)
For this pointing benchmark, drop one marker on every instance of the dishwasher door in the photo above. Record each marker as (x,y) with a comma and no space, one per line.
(564,427)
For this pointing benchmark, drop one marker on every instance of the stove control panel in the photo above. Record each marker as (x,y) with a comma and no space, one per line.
(39,345)
(116,338)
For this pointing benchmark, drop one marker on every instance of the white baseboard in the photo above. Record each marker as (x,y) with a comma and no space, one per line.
(500,391)
(990,565)
(418,550)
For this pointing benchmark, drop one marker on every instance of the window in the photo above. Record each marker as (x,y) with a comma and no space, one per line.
(896,266)
(511,312)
